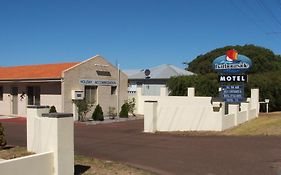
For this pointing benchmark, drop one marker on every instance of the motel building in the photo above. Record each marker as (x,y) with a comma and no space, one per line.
(95,79)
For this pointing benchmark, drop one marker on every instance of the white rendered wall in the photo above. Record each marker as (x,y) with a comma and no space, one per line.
(6,102)
(45,134)
(52,100)
(50,94)
(184,114)
(228,121)
(242,117)
(32,165)
(176,113)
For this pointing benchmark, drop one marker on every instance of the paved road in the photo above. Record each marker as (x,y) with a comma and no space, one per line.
(166,154)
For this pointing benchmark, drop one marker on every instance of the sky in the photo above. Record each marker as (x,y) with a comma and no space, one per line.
(136,34)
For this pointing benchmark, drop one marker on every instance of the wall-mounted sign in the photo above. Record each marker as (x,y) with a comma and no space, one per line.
(98,82)
(232,93)
(233,78)
(232,63)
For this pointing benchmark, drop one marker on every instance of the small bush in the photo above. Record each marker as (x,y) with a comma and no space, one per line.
(124,110)
(53,109)
(132,106)
(3,141)
(98,114)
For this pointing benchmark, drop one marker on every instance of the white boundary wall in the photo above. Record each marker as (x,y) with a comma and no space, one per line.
(171,113)
(32,165)
(51,137)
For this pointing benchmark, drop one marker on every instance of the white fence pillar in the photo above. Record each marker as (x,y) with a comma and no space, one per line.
(246,107)
(254,101)
(234,109)
(150,116)
(52,132)
(33,126)
(191,92)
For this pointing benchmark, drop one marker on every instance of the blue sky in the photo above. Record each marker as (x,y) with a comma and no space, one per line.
(137,33)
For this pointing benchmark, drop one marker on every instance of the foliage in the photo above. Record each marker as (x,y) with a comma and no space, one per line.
(53,109)
(3,141)
(204,85)
(269,85)
(132,106)
(124,110)
(264,60)
(112,112)
(264,75)
(98,114)
(83,108)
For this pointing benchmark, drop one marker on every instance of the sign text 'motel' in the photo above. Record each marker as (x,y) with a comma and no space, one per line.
(233,78)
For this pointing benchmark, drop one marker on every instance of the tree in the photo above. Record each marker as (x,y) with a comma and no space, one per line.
(265,75)
(83,108)
(207,85)
(264,60)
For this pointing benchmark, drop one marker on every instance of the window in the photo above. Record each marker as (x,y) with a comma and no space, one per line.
(113,90)
(103,73)
(1,93)
(33,94)
(91,94)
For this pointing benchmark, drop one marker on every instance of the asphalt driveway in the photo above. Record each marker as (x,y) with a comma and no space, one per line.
(166,154)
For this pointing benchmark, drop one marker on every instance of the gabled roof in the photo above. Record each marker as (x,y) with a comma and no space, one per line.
(34,72)
(164,71)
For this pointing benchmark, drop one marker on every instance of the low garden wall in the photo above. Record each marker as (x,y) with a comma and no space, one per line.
(51,137)
(191,113)
(32,165)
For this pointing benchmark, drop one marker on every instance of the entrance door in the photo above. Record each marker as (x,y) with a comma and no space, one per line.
(14,93)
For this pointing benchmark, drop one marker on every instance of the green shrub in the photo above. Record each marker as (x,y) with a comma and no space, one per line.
(3,141)
(205,85)
(124,110)
(98,114)
(132,106)
(83,108)
(53,109)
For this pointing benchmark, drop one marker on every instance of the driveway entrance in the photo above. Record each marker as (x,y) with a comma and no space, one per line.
(166,154)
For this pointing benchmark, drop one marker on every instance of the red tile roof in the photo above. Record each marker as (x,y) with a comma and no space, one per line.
(43,71)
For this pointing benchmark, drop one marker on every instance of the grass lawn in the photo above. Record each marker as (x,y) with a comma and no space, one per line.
(83,165)
(266,124)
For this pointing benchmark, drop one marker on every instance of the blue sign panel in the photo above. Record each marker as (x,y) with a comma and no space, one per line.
(232,63)
(232,93)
